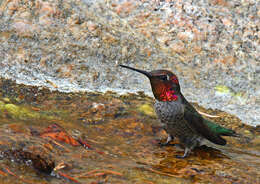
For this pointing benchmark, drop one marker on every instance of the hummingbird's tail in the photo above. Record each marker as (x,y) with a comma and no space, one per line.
(219,130)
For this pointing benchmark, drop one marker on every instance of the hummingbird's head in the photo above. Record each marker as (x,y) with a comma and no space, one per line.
(165,84)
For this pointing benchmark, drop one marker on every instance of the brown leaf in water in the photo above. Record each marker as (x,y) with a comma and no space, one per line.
(18,177)
(68,177)
(3,173)
(56,132)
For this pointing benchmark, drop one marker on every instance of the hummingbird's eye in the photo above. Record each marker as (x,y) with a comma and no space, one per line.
(164,77)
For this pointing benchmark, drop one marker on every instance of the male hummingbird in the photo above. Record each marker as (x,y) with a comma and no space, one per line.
(179,118)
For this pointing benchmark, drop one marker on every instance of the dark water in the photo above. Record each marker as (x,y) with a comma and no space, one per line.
(120,135)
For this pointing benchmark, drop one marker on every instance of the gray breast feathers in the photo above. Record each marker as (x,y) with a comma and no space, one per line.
(169,111)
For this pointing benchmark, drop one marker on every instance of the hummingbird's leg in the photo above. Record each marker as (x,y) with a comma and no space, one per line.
(169,139)
(186,153)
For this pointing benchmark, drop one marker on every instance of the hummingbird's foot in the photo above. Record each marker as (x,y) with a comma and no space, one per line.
(186,153)
(169,139)
(180,156)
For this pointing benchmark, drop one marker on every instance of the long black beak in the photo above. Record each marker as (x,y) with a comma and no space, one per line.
(147,74)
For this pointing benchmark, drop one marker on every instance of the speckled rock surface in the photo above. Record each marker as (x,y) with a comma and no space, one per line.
(213,46)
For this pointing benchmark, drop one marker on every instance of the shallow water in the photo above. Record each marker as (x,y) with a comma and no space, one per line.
(121,136)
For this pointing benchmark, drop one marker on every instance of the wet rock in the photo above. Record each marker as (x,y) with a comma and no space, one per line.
(206,43)
(6,100)
(2,104)
(256,141)
(20,113)
(36,161)
(147,109)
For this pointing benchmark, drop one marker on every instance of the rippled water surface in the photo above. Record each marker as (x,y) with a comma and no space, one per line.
(52,137)
(212,46)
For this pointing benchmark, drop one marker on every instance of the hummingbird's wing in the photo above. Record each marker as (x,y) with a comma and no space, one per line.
(189,107)
(196,122)
(217,129)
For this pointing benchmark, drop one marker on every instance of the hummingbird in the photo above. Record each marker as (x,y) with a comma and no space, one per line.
(178,117)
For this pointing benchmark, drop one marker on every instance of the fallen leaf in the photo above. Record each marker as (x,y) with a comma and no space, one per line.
(58,133)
